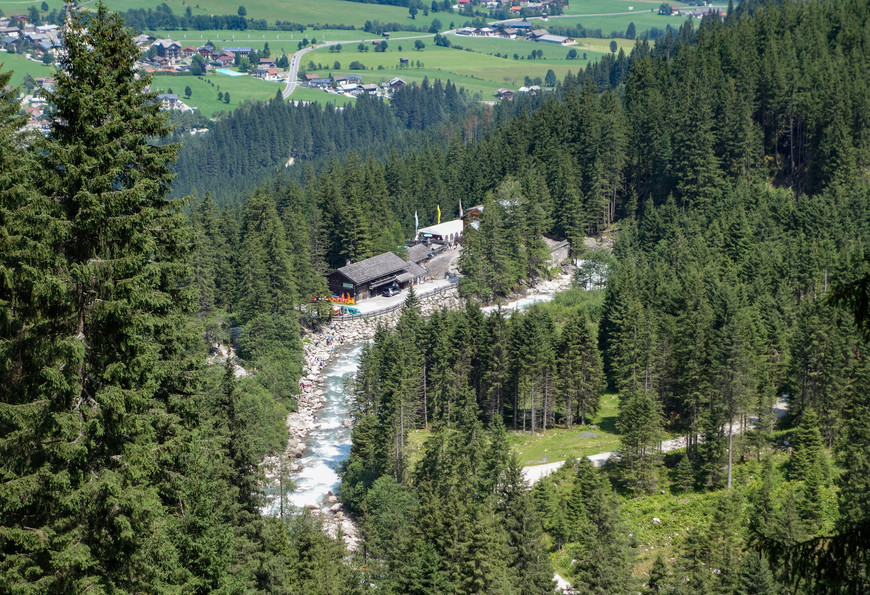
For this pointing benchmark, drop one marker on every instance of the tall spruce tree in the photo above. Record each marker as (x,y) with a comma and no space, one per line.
(581,375)
(104,374)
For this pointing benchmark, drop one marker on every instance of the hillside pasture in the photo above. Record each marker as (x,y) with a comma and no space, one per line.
(22,66)
(289,40)
(477,72)
(306,12)
(521,47)
(205,89)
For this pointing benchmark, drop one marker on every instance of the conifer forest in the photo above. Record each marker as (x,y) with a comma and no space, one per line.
(727,166)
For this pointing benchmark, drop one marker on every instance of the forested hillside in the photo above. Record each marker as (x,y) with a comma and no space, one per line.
(733,161)
(259,141)
(730,162)
(126,465)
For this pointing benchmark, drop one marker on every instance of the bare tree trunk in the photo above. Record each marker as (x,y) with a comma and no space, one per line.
(730,441)
(425,414)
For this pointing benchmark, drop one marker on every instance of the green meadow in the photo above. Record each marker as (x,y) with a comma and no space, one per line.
(476,71)
(289,40)
(205,90)
(305,12)
(319,96)
(556,444)
(521,47)
(21,66)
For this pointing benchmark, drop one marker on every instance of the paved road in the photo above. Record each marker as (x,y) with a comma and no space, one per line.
(296,58)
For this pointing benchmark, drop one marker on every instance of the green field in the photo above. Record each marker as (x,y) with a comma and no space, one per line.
(322,97)
(204,94)
(289,40)
(552,52)
(21,66)
(298,11)
(477,72)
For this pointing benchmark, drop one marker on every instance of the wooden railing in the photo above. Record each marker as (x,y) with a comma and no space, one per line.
(394,307)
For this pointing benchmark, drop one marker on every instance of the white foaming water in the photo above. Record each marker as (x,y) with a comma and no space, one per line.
(521,304)
(328,445)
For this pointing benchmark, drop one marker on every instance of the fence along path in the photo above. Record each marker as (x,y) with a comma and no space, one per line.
(394,307)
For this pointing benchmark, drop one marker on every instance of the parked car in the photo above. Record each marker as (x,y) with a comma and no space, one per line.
(391,291)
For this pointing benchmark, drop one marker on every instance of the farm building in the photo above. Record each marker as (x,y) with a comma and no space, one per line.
(366,278)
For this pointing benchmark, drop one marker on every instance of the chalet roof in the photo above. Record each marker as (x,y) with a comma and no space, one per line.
(539,32)
(372,268)
(412,270)
(419,252)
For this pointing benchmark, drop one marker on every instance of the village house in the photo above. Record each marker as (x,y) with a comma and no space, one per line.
(168,101)
(188,51)
(268,74)
(350,79)
(396,83)
(206,51)
(240,50)
(504,94)
(166,48)
(225,60)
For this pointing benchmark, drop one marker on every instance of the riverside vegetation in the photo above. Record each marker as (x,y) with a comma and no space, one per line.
(729,160)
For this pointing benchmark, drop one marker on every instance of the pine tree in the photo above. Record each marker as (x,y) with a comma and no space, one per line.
(809,450)
(109,395)
(527,558)
(601,549)
(659,577)
(580,372)
(640,429)
(755,576)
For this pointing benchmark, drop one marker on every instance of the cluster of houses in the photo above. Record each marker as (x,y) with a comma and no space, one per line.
(514,6)
(351,85)
(41,39)
(516,30)
(171,56)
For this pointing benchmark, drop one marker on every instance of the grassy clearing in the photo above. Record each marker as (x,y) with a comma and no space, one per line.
(10,7)
(21,66)
(558,443)
(205,89)
(277,40)
(552,53)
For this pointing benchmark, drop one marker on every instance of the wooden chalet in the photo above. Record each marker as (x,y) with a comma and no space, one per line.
(367,278)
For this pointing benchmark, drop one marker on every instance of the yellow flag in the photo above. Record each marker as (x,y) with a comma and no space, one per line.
(439,213)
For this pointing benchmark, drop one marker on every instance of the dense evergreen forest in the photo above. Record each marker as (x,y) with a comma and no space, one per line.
(261,140)
(730,161)
(733,160)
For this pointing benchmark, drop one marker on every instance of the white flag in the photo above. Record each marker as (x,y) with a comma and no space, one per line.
(416,222)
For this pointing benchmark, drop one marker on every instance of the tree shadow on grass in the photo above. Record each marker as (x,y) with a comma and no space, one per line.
(608,424)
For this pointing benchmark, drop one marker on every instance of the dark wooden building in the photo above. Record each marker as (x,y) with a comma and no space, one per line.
(367,278)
